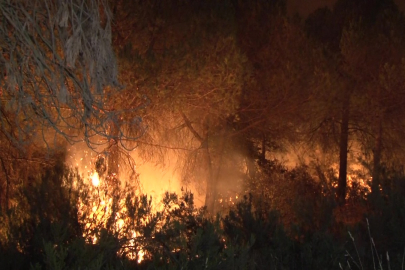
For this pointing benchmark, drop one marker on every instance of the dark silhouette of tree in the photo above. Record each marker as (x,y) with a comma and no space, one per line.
(375,56)
(336,42)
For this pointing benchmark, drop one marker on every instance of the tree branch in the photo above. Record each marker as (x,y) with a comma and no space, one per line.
(190,127)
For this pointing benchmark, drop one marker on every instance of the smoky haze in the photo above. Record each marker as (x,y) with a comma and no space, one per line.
(211,132)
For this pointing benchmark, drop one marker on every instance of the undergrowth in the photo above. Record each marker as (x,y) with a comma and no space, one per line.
(46,229)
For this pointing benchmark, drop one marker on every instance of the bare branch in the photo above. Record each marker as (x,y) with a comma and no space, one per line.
(58,69)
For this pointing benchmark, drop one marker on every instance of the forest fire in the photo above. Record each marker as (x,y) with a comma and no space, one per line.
(102,210)
(106,206)
(201,134)
(102,204)
(95,179)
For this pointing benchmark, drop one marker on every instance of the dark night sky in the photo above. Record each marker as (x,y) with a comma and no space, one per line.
(304,7)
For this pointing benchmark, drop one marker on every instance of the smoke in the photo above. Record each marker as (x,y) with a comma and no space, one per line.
(177,171)
(157,178)
(153,177)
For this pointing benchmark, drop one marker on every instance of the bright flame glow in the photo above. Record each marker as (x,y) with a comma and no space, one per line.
(141,253)
(96,211)
(120,223)
(95,179)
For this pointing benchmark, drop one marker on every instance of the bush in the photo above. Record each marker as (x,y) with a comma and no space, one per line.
(43,229)
(53,226)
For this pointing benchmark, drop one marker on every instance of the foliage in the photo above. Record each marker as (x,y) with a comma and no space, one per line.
(231,85)
(56,63)
(54,226)
(305,203)
(49,229)
(48,225)
(186,58)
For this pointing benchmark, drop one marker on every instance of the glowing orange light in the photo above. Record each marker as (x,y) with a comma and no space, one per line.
(95,180)
(120,223)
(98,208)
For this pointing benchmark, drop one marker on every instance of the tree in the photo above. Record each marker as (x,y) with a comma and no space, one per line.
(335,117)
(56,64)
(375,56)
(273,110)
(186,60)
(357,47)
(58,75)
(332,118)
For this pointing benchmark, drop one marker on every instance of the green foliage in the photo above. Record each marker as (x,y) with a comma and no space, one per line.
(186,239)
(386,221)
(44,211)
(225,78)
(321,250)
(43,224)
(258,227)
(46,232)
(304,202)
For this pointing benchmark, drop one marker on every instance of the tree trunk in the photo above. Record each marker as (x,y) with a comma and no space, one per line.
(375,184)
(210,194)
(343,149)
(6,203)
(216,178)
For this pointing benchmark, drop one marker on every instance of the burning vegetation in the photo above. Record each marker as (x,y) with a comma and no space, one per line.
(201,135)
